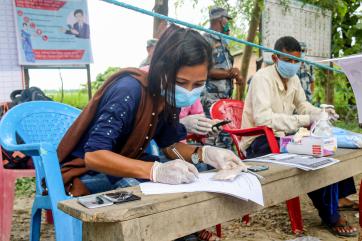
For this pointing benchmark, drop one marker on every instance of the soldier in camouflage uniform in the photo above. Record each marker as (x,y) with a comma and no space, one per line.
(151,44)
(220,79)
(305,75)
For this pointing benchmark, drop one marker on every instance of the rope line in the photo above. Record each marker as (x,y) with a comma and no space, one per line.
(210,31)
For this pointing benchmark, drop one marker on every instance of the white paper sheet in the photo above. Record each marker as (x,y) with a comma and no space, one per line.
(304,162)
(352,67)
(245,186)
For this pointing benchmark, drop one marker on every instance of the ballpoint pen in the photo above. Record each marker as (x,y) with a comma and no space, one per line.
(173,148)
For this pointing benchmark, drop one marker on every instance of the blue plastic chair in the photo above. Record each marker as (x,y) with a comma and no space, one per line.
(41,125)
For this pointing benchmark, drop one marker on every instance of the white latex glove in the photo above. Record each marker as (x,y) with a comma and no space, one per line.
(174,172)
(197,124)
(358,141)
(333,116)
(221,158)
(314,118)
(228,174)
(215,131)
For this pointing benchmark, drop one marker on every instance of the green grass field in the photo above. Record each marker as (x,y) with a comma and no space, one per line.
(77,98)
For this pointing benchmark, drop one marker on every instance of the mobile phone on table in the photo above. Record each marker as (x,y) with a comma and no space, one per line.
(222,123)
(258,168)
(94,201)
(121,197)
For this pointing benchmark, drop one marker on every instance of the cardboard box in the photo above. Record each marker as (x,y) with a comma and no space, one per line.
(316,146)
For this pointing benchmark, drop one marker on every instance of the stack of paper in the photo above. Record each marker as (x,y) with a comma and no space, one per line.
(304,162)
(245,186)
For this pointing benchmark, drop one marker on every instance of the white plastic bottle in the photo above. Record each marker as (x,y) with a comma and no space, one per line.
(322,127)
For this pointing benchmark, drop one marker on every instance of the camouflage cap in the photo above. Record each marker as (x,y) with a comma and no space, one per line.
(218,12)
(303,46)
(151,42)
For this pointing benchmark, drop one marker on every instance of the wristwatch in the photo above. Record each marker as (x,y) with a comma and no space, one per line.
(195,156)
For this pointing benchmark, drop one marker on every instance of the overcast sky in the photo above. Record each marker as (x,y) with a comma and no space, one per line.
(118,38)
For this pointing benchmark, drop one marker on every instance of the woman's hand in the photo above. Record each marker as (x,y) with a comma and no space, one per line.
(174,172)
(197,124)
(221,158)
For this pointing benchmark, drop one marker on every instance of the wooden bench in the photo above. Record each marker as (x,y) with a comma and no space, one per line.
(166,217)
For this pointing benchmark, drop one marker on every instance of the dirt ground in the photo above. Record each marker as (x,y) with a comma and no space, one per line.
(271,224)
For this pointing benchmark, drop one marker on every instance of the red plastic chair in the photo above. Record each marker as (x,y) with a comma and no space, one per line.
(233,110)
(7,190)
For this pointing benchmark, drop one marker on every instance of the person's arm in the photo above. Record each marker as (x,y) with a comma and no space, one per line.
(170,138)
(184,149)
(173,172)
(114,164)
(263,113)
(75,29)
(114,120)
(219,74)
(216,157)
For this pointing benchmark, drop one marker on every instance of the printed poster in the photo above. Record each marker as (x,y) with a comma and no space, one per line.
(52,32)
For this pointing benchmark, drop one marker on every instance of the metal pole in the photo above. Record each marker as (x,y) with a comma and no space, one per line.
(89,82)
(26,78)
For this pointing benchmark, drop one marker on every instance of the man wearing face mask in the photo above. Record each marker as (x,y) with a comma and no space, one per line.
(276,99)
(219,84)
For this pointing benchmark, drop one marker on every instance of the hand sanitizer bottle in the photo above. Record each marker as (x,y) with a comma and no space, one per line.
(322,127)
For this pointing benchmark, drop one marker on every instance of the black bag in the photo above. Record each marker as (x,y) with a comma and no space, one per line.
(15,160)
(31,94)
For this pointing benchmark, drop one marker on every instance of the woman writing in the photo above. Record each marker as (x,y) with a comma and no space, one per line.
(107,141)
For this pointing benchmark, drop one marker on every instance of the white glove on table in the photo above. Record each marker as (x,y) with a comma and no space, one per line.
(174,172)
(221,158)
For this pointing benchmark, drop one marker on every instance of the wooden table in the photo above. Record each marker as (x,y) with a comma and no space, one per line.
(166,217)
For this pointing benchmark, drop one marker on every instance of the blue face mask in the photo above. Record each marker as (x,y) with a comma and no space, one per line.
(185,97)
(287,70)
(226,41)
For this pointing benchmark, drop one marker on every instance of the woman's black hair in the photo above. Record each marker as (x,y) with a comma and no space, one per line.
(177,47)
